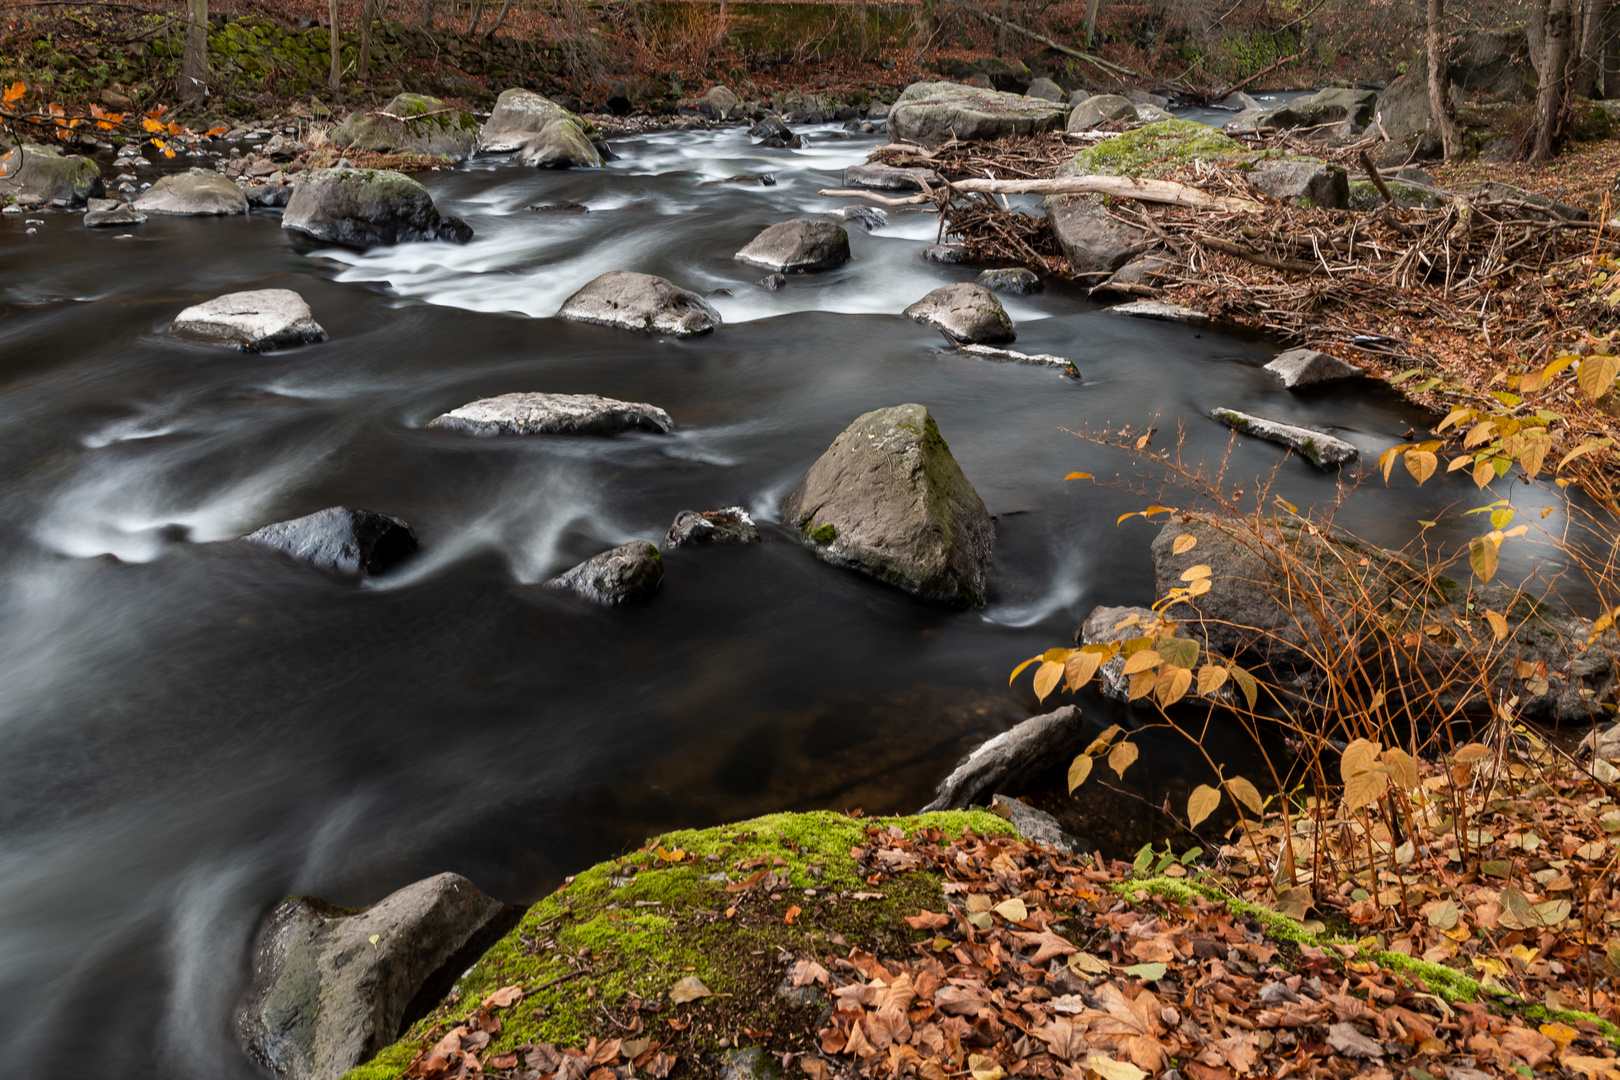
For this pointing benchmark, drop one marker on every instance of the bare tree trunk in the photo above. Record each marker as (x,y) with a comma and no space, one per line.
(864,19)
(1551,97)
(366,14)
(1091,20)
(477,17)
(194,61)
(720,30)
(426,15)
(336,81)
(500,19)
(1587,68)
(1439,83)
(1001,31)
(1611,52)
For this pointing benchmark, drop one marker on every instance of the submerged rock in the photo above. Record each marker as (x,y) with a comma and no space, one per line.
(931,114)
(964,312)
(196,194)
(542,132)
(1317,447)
(101,213)
(1015,280)
(30,173)
(620,575)
(352,542)
(640,302)
(889,500)
(331,987)
(990,352)
(1012,760)
(411,124)
(562,414)
(867,217)
(362,208)
(1304,367)
(799,244)
(730,525)
(254,321)
(1163,311)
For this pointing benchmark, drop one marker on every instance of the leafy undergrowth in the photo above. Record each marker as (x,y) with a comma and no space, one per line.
(939,946)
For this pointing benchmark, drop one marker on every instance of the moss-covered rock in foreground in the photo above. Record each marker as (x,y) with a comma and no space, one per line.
(1154,150)
(625,931)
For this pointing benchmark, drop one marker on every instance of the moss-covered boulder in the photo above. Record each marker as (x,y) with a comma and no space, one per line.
(542,132)
(933,113)
(1364,195)
(364,208)
(411,124)
(889,500)
(30,173)
(710,910)
(1153,150)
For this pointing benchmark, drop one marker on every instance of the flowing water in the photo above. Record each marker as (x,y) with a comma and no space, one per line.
(192,728)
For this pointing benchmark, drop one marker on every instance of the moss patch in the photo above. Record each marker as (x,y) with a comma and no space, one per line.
(618,936)
(1154,150)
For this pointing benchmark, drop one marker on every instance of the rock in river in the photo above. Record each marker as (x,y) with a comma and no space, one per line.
(931,114)
(730,525)
(542,132)
(562,414)
(1317,447)
(195,194)
(352,542)
(1013,759)
(1099,109)
(1304,367)
(964,312)
(255,321)
(34,174)
(889,500)
(411,124)
(102,213)
(799,244)
(331,986)
(641,302)
(890,178)
(363,208)
(619,575)
(1094,241)
(1016,280)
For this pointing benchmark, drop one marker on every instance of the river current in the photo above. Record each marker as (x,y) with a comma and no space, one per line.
(192,728)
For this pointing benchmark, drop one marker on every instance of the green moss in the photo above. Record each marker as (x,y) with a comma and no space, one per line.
(639,924)
(824,534)
(1154,149)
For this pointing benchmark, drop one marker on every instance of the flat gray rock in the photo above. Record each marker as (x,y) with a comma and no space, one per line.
(196,194)
(635,301)
(1162,310)
(254,321)
(103,213)
(1328,106)
(543,133)
(363,208)
(621,575)
(1303,183)
(1317,447)
(557,414)
(729,525)
(965,313)
(931,114)
(1304,367)
(349,542)
(799,244)
(331,986)
(1013,759)
(889,500)
(890,177)
(1039,827)
(1099,109)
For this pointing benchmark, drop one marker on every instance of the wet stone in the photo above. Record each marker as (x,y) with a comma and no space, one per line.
(730,525)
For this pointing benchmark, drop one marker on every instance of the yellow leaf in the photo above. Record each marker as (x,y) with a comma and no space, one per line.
(1082,664)
(1085,962)
(1483,474)
(1246,683)
(151,125)
(1172,685)
(1480,432)
(1021,667)
(1459,463)
(1078,476)
(1401,768)
(1455,416)
(1365,789)
(1141,685)
(1142,661)
(1013,910)
(984,1068)
(1532,456)
(1211,677)
(1244,792)
(688,989)
(1111,1069)
(1100,743)
(1121,757)
(1199,587)
(1183,544)
(1201,803)
(1584,448)
(1046,678)
(1386,460)
(1597,373)
(1482,557)
(1421,464)
(1079,769)
(1499,625)
(1193,573)
(15,92)
(1445,915)
(1359,757)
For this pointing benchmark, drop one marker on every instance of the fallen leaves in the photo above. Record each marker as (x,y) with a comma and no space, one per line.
(690,988)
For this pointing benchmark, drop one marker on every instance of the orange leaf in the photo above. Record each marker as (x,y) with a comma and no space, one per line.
(174,129)
(151,125)
(792,913)
(217,129)
(15,92)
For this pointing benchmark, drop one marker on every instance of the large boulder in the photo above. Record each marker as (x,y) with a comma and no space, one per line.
(930,114)
(350,542)
(640,302)
(718,103)
(194,194)
(363,208)
(36,175)
(1100,109)
(1094,241)
(411,124)
(728,525)
(561,414)
(331,987)
(1153,150)
(1406,121)
(964,312)
(1317,447)
(799,244)
(542,132)
(1303,182)
(1046,90)
(889,500)
(621,575)
(1306,367)
(1012,760)
(255,321)
(1333,105)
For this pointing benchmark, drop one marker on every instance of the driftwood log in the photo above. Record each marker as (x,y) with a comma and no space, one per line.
(1120,187)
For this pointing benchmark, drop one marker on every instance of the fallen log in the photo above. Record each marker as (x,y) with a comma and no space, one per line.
(862,193)
(1258,258)
(1112,69)
(1120,187)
